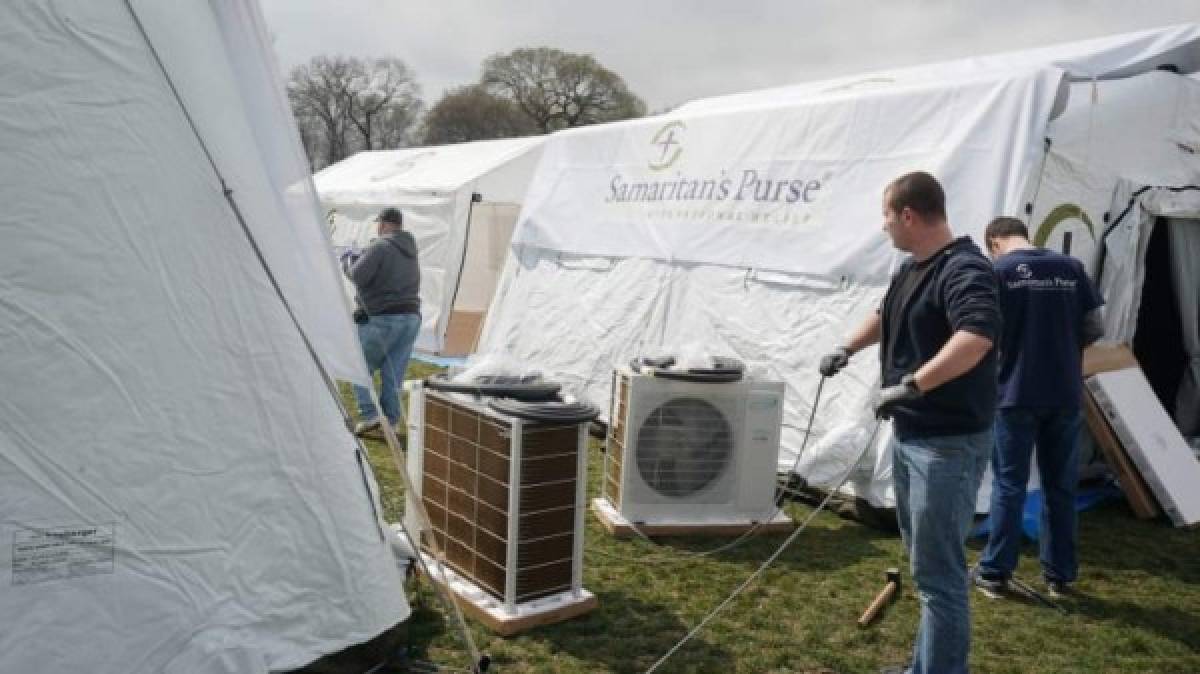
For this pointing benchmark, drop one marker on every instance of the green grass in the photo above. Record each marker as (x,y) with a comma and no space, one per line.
(1139,609)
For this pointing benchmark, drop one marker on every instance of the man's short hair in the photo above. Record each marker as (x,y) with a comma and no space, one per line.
(919,191)
(1004,227)
(391,216)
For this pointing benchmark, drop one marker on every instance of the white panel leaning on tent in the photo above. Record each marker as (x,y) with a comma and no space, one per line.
(460,242)
(751,223)
(178,490)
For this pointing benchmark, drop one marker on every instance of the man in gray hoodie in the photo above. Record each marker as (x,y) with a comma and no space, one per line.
(388,279)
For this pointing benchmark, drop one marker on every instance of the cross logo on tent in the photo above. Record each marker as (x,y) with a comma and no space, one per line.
(671,148)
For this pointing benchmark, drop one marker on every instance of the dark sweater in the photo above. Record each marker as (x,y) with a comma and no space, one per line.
(388,277)
(926,303)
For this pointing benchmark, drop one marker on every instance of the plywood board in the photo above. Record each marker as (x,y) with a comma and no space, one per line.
(619,527)
(1152,440)
(462,332)
(478,604)
(1103,357)
(1141,501)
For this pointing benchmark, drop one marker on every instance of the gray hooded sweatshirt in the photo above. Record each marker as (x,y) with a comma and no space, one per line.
(388,277)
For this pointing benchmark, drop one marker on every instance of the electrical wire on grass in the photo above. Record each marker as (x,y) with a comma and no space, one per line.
(775,555)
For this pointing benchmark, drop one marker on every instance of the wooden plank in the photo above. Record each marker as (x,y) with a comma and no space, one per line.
(1101,357)
(1141,501)
(475,602)
(462,332)
(619,527)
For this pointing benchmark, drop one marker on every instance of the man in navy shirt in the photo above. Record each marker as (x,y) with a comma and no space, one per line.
(936,327)
(1051,312)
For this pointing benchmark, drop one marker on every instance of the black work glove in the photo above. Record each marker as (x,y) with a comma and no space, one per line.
(892,396)
(833,362)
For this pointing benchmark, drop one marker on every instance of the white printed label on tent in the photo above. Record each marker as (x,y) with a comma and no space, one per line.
(56,553)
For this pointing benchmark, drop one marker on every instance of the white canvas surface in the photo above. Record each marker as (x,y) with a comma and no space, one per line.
(178,492)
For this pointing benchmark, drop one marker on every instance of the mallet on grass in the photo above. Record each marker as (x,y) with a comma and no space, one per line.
(886,595)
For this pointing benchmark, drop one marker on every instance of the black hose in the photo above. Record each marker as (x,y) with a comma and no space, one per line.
(550,411)
(723,371)
(518,388)
(598,429)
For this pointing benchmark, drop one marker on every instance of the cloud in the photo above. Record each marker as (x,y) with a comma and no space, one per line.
(670,53)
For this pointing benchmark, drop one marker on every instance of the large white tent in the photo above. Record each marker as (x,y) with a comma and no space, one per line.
(178,489)
(751,223)
(459,201)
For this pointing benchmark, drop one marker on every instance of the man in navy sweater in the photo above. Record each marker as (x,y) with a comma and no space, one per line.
(1051,313)
(936,327)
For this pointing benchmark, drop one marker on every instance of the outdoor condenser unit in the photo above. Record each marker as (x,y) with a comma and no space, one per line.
(689,456)
(505,499)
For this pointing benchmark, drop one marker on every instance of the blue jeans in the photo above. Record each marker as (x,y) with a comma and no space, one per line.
(936,481)
(387,342)
(1055,431)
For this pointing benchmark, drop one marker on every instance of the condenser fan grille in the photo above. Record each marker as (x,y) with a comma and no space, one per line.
(683,446)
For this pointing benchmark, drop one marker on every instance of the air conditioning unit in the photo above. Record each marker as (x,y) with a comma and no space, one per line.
(691,457)
(505,501)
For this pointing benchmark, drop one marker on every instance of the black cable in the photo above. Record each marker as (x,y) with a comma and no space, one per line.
(723,370)
(699,377)
(551,411)
(517,388)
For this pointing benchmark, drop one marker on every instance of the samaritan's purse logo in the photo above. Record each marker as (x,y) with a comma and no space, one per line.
(668,146)
(1024,271)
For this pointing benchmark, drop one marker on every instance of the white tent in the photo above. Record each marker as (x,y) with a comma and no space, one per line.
(1123,165)
(178,490)
(751,223)
(459,201)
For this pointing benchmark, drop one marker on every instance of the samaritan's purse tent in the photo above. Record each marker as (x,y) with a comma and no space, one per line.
(751,223)
(460,202)
(178,489)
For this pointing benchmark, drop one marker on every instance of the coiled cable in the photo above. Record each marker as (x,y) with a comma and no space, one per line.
(547,411)
(518,388)
(723,370)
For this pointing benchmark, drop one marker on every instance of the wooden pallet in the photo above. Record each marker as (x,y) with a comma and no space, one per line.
(481,606)
(619,527)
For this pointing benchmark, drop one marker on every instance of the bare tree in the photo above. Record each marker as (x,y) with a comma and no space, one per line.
(319,92)
(558,89)
(384,102)
(343,105)
(471,113)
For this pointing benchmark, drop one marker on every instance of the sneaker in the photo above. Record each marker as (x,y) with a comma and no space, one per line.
(364,427)
(897,669)
(992,588)
(1057,589)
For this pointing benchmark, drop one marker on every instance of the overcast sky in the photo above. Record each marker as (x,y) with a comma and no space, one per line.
(673,52)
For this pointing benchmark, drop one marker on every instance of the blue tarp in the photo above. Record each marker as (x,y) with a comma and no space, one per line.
(440,361)
(1087,499)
